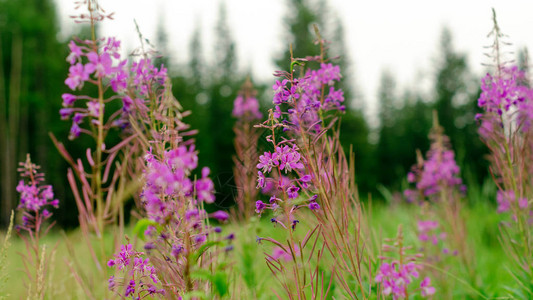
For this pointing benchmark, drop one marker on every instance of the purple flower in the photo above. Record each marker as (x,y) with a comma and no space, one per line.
(78,118)
(94,108)
(334,99)
(395,277)
(68,99)
(280,93)
(246,108)
(205,188)
(127,104)
(277,112)
(102,63)
(259,206)
(289,158)
(75,52)
(176,250)
(292,192)
(119,77)
(313,205)
(294,223)
(123,259)
(139,272)
(130,289)
(33,196)
(75,131)
(439,169)
(329,73)
(267,161)
(111,283)
(411,177)
(200,239)
(220,215)
(78,74)
(425,287)
(260,179)
(522,203)
(282,254)
(504,199)
(145,74)
(65,113)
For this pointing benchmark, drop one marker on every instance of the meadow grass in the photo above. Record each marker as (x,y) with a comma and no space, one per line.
(256,282)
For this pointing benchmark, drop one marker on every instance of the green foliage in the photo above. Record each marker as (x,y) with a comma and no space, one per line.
(141,226)
(4,274)
(404,126)
(218,279)
(482,223)
(205,246)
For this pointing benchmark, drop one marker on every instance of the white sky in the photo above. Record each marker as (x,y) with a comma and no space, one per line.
(401,36)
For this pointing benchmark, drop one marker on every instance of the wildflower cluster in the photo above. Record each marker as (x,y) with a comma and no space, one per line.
(246,106)
(286,158)
(505,127)
(168,184)
(305,97)
(139,278)
(395,275)
(507,101)
(438,175)
(34,197)
(179,233)
(100,63)
(305,104)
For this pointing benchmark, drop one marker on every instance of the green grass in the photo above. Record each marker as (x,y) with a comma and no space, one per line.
(482,222)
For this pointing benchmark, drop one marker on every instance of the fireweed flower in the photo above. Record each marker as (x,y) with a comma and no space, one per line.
(34,197)
(143,280)
(506,198)
(437,173)
(507,101)
(246,108)
(174,197)
(304,101)
(167,180)
(99,62)
(505,98)
(397,275)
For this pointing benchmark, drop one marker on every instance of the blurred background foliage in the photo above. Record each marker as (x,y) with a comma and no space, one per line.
(33,69)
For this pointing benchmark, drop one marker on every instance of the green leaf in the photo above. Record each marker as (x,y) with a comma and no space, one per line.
(220,281)
(202,249)
(141,227)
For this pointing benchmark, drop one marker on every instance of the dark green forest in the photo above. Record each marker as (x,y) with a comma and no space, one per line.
(33,70)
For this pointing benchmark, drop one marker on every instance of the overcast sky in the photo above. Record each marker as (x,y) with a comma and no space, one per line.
(401,36)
